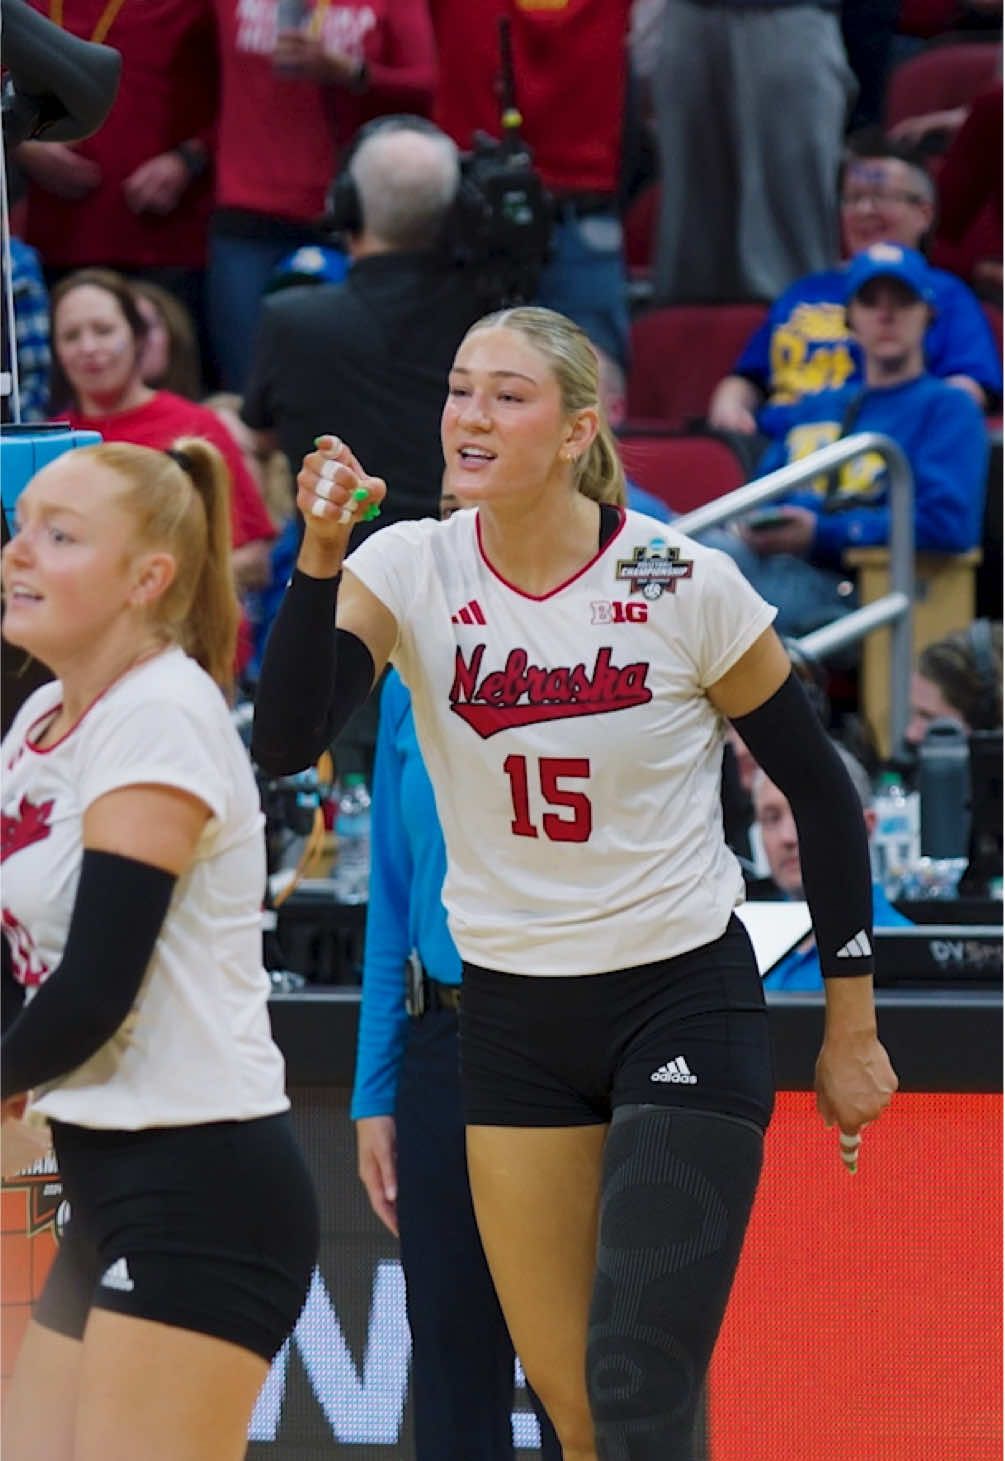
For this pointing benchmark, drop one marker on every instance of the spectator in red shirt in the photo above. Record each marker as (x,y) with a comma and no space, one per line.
(135,196)
(97,337)
(290,100)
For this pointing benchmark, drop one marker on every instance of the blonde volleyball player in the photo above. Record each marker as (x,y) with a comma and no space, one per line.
(133,873)
(571,667)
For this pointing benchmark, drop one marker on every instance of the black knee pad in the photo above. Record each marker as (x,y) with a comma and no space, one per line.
(677,1193)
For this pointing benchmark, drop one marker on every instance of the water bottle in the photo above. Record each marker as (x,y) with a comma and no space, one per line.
(895,840)
(351,873)
(944,785)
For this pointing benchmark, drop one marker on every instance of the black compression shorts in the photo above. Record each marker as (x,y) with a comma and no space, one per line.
(212,1228)
(691,1032)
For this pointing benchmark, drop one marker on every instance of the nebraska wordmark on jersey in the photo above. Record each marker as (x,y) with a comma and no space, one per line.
(575,758)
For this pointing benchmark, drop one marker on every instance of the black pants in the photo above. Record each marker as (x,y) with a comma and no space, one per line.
(462,1368)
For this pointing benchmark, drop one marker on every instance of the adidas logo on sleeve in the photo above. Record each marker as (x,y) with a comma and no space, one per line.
(858,947)
(675,1071)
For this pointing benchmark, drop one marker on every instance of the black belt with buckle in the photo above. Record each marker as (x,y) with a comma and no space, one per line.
(423,993)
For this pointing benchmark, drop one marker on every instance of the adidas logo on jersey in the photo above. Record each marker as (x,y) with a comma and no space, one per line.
(858,947)
(675,1071)
(117,1277)
(470,614)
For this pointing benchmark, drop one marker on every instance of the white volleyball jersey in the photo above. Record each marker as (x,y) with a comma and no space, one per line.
(197,1044)
(575,757)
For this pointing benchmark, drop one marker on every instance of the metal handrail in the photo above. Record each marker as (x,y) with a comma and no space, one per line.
(895,608)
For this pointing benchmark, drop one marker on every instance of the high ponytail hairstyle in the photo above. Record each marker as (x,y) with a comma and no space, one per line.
(599,473)
(179,501)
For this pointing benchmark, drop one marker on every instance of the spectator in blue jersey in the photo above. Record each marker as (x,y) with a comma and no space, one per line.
(409,1125)
(804,345)
(793,556)
(800,969)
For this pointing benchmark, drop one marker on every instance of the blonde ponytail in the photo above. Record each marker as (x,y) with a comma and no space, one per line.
(214,614)
(179,501)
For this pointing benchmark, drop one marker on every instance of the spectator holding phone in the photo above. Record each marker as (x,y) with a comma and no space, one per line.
(792,552)
(804,344)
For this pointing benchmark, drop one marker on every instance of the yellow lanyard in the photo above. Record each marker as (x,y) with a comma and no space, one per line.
(105,20)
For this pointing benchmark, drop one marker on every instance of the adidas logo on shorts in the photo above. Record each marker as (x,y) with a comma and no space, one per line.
(117,1277)
(675,1071)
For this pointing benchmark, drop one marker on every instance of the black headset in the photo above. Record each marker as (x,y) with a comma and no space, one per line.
(985,713)
(343,209)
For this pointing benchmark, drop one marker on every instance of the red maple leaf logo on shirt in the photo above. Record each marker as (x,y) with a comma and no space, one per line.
(31,824)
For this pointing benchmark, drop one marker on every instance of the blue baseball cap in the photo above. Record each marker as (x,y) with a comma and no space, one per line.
(889,261)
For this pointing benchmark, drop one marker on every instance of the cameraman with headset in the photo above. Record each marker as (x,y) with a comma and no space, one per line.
(367,358)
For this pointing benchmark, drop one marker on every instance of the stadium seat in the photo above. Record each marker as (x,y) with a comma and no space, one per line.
(944,600)
(940,78)
(926,18)
(684,471)
(640,230)
(679,353)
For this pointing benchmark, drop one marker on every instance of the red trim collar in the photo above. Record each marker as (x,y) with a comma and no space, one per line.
(540,598)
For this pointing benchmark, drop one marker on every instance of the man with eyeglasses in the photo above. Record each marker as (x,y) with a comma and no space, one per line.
(804,344)
(793,554)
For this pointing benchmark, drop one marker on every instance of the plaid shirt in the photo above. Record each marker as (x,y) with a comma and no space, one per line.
(31,332)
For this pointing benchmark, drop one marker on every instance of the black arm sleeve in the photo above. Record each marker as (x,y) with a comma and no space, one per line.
(117,916)
(788,741)
(313,678)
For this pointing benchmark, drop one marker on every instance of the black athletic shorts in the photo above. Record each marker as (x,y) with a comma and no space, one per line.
(212,1228)
(690,1031)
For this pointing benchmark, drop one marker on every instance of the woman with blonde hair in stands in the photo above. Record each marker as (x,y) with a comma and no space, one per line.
(134,865)
(571,665)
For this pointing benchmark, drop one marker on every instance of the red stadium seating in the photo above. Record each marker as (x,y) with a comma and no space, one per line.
(940,78)
(640,230)
(679,354)
(684,471)
(926,18)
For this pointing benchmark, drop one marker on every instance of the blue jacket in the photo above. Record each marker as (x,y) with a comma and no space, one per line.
(408,863)
(802,970)
(943,435)
(804,346)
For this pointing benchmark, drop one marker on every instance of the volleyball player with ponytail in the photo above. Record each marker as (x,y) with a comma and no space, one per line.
(134,866)
(571,666)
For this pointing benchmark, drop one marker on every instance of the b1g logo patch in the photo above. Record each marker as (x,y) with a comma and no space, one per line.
(654,569)
(607,611)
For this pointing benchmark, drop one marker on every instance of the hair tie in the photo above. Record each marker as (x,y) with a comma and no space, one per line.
(182,458)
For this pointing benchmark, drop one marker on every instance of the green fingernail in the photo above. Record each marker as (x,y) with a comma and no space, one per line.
(318,440)
(371,512)
(360,495)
